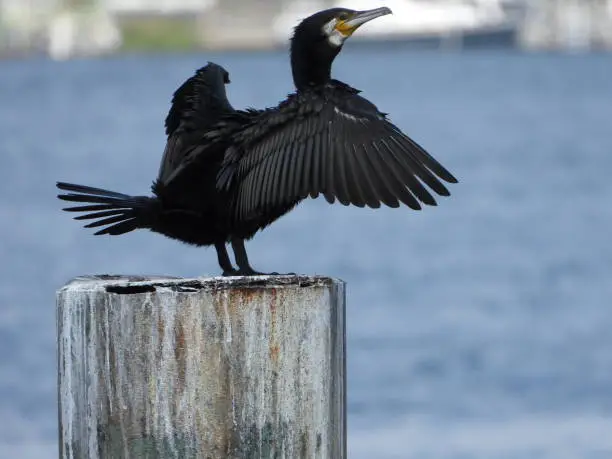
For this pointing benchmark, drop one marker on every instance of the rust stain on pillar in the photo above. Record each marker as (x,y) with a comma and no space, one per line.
(274,347)
(180,353)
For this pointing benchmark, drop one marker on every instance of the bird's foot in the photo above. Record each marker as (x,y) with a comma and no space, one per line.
(242,272)
(252,272)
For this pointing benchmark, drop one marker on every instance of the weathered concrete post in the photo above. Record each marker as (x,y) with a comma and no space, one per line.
(202,368)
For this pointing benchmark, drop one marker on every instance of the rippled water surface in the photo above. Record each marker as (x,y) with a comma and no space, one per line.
(479,329)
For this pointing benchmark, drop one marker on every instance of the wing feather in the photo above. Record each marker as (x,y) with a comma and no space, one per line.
(307,177)
(258,176)
(295,171)
(329,175)
(379,177)
(372,196)
(341,182)
(317,183)
(285,165)
(394,179)
(419,169)
(352,178)
(271,165)
(430,161)
(407,176)
(343,188)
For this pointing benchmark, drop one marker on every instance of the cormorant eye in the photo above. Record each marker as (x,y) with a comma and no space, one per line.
(343,16)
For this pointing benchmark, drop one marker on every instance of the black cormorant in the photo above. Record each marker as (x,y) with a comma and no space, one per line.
(227,173)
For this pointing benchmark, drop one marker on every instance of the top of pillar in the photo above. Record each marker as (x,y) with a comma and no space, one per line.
(140,284)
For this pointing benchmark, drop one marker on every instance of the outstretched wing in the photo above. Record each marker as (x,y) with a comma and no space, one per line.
(341,147)
(196,105)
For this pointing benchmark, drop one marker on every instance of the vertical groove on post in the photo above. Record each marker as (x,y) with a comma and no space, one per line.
(202,368)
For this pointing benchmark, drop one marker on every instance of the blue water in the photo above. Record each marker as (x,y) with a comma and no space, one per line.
(479,329)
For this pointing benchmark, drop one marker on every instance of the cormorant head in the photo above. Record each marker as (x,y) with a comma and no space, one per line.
(318,39)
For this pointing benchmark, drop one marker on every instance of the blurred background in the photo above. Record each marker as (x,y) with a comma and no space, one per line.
(67,28)
(478,329)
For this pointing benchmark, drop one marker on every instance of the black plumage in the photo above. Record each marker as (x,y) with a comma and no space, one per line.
(196,105)
(227,173)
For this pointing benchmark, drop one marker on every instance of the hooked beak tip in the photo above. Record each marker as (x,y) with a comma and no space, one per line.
(361,17)
(376,12)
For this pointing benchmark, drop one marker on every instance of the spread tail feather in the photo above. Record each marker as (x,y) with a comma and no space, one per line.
(123,213)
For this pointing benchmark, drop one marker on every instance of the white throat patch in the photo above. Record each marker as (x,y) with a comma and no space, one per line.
(334,36)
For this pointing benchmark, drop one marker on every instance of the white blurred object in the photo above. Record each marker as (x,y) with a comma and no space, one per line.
(158,6)
(574,25)
(21,22)
(84,33)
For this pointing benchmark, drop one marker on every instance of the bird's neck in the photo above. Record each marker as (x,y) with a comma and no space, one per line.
(310,69)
